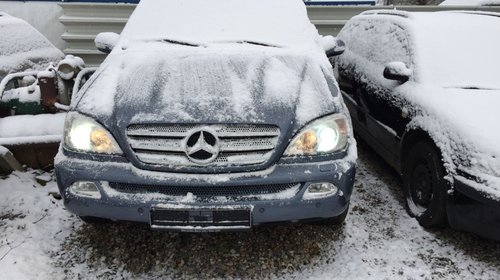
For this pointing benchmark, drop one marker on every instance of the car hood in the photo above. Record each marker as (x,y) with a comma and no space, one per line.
(471,114)
(210,85)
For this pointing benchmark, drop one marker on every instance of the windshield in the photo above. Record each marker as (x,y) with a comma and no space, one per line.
(280,22)
(459,50)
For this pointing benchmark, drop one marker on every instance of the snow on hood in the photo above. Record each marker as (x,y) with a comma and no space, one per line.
(276,22)
(35,52)
(474,114)
(226,83)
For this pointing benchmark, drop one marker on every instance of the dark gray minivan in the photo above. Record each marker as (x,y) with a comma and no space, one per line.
(207,116)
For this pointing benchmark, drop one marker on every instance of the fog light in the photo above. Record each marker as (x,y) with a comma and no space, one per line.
(86,189)
(320,190)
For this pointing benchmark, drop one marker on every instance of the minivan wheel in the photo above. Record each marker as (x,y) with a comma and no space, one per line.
(424,185)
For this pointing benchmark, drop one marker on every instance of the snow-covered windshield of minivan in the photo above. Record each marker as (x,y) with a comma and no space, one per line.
(459,50)
(270,22)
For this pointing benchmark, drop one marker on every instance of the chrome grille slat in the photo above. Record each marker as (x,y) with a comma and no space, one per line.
(233,145)
(226,145)
(176,160)
(221,130)
(239,144)
(156,144)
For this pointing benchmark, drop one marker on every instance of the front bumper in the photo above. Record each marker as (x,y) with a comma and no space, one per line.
(283,207)
(473,210)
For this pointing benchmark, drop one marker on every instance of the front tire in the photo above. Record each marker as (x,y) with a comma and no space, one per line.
(424,185)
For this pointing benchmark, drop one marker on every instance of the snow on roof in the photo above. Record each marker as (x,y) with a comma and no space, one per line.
(276,22)
(450,49)
(458,49)
(34,53)
(470,3)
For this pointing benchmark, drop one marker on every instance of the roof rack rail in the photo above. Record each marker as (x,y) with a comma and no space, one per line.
(394,12)
(482,13)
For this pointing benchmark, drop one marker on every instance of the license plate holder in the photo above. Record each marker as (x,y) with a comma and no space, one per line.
(195,218)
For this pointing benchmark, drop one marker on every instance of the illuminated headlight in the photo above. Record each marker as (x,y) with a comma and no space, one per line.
(323,136)
(83,134)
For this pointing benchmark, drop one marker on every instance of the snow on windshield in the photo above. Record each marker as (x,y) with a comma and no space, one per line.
(458,49)
(275,22)
(35,51)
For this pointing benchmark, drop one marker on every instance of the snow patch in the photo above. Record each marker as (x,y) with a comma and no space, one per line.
(24,129)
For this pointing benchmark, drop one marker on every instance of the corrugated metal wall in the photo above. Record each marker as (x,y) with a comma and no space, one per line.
(83,21)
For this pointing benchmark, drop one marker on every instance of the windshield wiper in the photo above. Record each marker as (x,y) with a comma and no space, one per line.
(473,87)
(180,42)
(256,43)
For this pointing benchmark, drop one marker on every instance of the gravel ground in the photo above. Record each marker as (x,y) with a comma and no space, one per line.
(378,240)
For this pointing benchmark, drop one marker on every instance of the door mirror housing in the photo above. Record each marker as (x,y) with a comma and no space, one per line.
(106,41)
(333,46)
(397,71)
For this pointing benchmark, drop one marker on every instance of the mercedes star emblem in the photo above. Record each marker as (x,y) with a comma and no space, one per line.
(201,146)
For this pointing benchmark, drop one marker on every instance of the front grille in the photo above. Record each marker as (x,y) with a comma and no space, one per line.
(205,191)
(238,145)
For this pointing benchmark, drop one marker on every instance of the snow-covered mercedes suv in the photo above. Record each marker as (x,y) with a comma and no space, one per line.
(423,90)
(210,115)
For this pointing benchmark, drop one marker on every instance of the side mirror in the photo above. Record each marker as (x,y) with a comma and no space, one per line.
(106,41)
(333,46)
(397,71)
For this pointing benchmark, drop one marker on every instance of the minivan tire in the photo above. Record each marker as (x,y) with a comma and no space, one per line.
(424,185)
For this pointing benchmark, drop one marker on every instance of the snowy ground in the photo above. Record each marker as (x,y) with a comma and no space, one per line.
(40,240)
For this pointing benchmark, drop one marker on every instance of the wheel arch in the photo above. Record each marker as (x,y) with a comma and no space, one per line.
(410,138)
